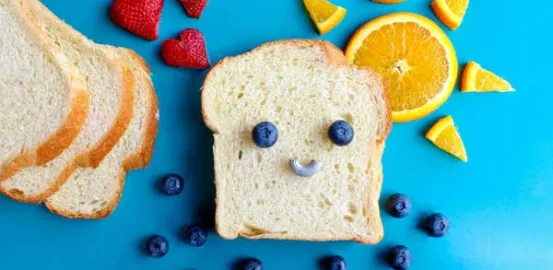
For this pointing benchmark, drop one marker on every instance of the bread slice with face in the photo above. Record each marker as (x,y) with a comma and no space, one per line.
(305,186)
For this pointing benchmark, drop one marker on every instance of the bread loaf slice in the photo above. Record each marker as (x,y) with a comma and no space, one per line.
(111,88)
(94,193)
(302,87)
(44,102)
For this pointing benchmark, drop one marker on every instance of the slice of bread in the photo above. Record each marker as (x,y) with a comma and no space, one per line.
(44,102)
(302,87)
(94,193)
(111,88)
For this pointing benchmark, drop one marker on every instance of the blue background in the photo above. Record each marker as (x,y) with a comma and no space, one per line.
(500,205)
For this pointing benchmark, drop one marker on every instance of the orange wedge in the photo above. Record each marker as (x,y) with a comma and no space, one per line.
(446,137)
(477,79)
(450,12)
(324,14)
(388,1)
(414,57)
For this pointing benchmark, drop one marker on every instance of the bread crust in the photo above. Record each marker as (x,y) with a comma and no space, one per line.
(75,119)
(133,161)
(145,155)
(120,125)
(93,157)
(335,57)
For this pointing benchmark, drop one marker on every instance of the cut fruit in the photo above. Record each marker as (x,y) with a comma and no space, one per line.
(324,14)
(477,79)
(450,12)
(446,137)
(414,57)
(388,1)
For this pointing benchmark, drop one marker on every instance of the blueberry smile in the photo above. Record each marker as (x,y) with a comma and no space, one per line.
(305,171)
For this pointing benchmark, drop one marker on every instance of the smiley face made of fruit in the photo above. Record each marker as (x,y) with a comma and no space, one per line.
(265,135)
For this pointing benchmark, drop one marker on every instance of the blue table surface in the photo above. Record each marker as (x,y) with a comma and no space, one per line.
(499,204)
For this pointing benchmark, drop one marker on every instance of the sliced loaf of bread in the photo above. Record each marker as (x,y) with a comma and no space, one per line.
(44,102)
(94,193)
(302,87)
(111,88)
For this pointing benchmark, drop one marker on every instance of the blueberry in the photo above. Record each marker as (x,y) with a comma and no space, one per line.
(341,133)
(265,134)
(399,205)
(196,235)
(400,257)
(253,264)
(437,225)
(172,184)
(157,246)
(337,263)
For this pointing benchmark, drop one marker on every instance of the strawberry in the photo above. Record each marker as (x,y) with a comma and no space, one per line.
(140,17)
(188,52)
(193,8)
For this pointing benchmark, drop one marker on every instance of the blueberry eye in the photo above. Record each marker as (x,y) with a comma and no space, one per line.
(341,133)
(265,134)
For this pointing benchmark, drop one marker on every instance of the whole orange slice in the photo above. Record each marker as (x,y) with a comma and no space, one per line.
(477,79)
(414,57)
(324,14)
(446,137)
(450,12)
